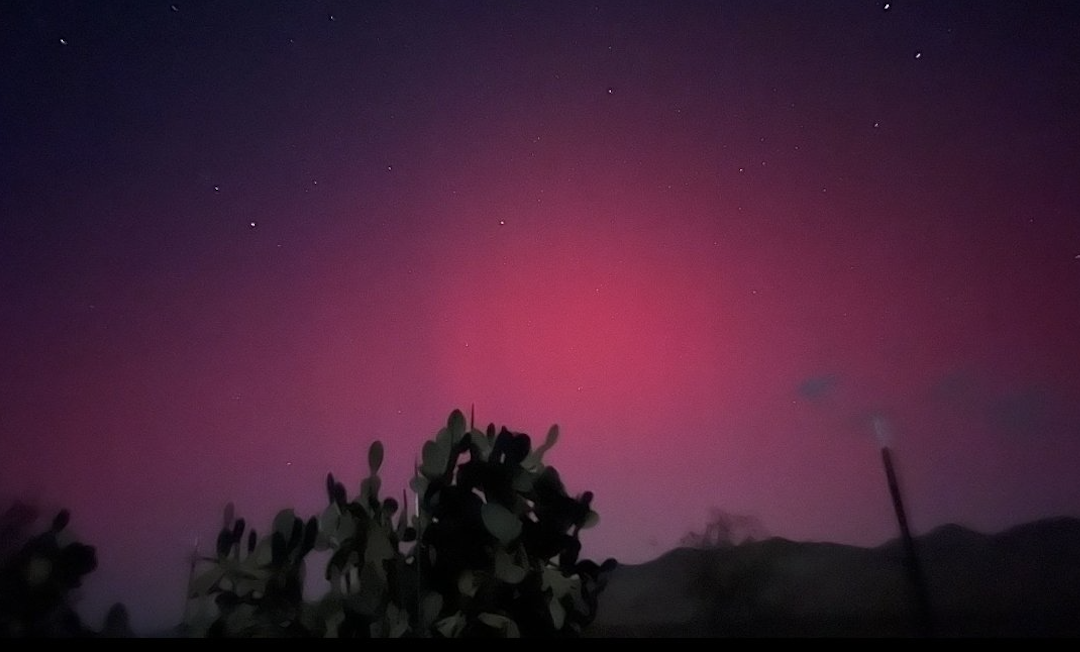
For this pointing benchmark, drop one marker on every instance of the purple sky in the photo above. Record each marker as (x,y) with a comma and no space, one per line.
(239,241)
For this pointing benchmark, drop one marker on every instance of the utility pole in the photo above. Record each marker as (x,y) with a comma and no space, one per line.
(911,557)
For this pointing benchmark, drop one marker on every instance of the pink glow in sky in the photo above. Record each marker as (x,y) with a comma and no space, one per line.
(712,242)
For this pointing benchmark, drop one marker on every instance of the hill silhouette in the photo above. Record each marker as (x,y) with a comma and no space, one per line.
(1022,582)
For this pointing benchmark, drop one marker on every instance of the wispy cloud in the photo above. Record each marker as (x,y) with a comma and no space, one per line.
(1027,412)
(817,388)
(1015,411)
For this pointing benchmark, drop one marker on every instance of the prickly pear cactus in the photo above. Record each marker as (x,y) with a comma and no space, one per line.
(499,536)
(254,587)
(38,576)
(492,550)
(372,592)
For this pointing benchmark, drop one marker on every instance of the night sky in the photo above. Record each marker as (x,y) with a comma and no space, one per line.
(712,241)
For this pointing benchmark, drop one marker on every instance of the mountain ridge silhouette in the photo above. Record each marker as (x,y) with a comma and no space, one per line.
(1021,582)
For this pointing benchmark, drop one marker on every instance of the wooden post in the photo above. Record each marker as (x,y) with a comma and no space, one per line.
(911,558)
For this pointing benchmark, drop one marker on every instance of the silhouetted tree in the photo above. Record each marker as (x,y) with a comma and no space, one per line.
(725,529)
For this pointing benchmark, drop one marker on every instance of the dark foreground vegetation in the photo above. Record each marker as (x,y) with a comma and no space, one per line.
(490,547)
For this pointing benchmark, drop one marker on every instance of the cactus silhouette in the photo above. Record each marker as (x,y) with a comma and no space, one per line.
(38,576)
(492,550)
